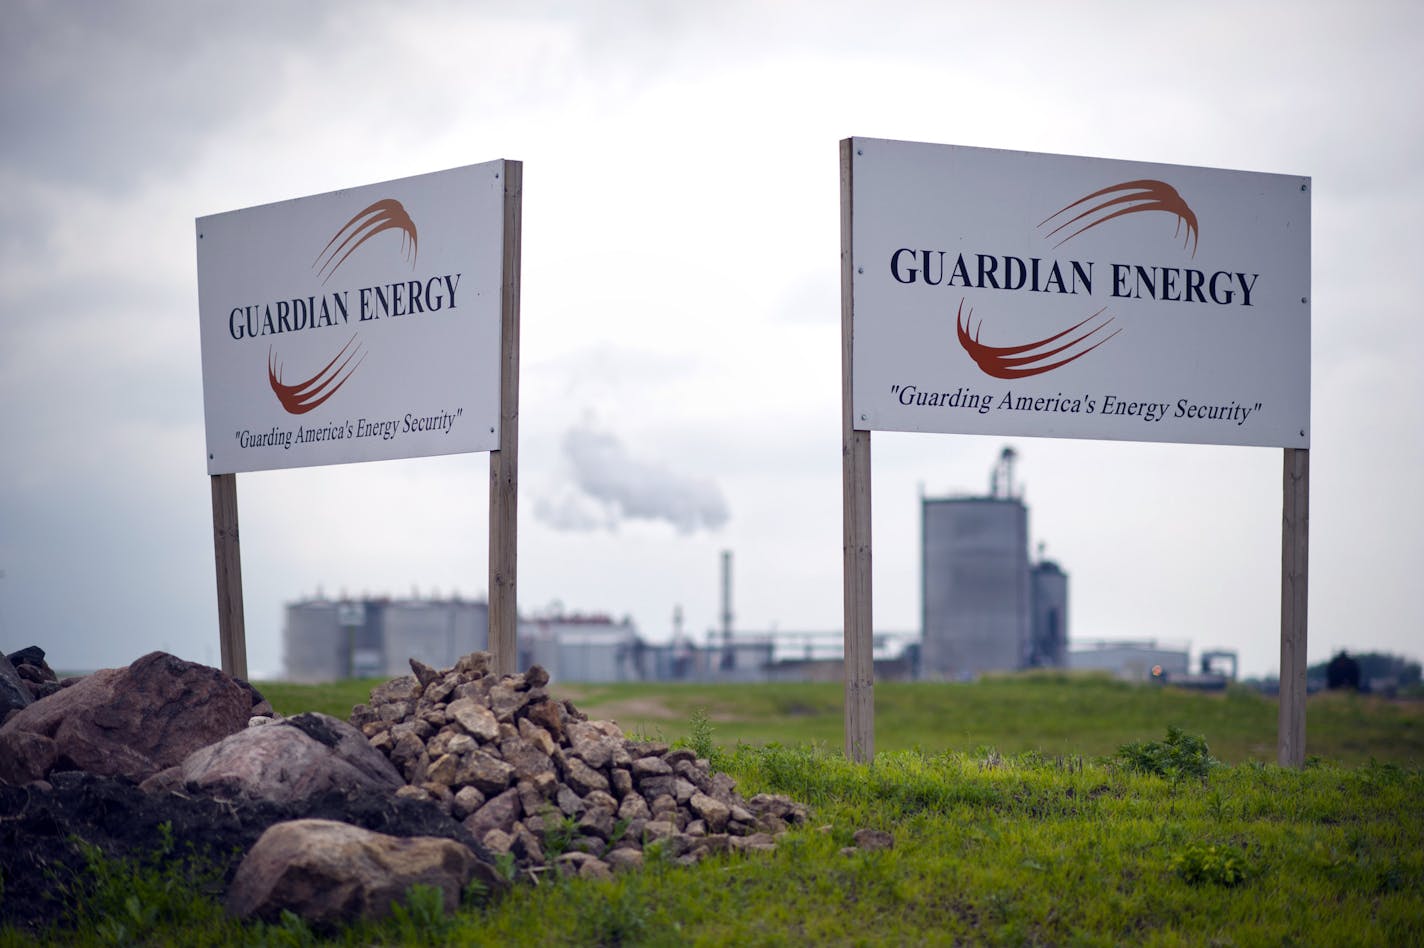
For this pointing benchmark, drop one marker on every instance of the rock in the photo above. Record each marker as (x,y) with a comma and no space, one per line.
(644,767)
(583,865)
(25,756)
(549,715)
(504,701)
(526,759)
(536,676)
(467,800)
(714,812)
(487,773)
(137,720)
(473,718)
(499,812)
(583,778)
(778,805)
(475,664)
(14,694)
(569,802)
(400,689)
(654,787)
(498,841)
(328,872)
(625,860)
(537,737)
(597,821)
(424,674)
(634,807)
(287,762)
(872,839)
(29,655)
(757,843)
(621,781)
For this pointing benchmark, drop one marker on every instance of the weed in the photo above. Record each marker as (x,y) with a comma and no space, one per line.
(1211,863)
(616,915)
(1180,755)
(421,920)
(700,735)
(559,832)
(122,901)
(506,866)
(291,932)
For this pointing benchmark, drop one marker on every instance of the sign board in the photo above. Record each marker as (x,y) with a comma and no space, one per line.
(359,325)
(1009,293)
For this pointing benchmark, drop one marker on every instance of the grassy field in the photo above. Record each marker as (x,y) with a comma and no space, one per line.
(1025,810)
(1052,714)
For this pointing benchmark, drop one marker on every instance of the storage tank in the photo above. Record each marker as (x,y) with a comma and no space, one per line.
(975,585)
(1049,644)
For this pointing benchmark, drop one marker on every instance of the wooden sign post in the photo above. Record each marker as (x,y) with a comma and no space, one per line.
(1295,562)
(227,556)
(413,317)
(855,488)
(504,461)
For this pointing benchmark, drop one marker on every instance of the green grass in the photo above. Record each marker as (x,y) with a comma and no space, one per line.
(1038,810)
(1051,713)
(1054,714)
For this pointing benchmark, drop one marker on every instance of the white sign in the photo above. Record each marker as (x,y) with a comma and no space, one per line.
(1010,293)
(359,325)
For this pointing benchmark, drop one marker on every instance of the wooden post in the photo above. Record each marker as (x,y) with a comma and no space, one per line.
(227,558)
(504,462)
(855,483)
(1295,572)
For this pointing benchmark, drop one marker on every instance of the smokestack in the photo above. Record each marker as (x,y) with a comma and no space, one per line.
(729,657)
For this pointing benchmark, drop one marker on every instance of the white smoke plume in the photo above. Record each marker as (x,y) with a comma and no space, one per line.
(610,485)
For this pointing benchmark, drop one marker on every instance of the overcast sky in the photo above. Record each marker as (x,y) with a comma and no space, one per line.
(680,305)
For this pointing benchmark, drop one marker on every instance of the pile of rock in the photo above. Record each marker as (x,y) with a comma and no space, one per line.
(25,677)
(531,776)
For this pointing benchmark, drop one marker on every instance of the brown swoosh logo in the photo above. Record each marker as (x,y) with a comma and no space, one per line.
(1103,205)
(1022,361)
(1129,197)
(301,397)
(384,215)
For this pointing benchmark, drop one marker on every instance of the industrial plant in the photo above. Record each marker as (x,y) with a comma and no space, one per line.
(987,605)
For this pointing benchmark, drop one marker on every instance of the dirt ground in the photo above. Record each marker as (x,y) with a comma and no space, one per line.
(39,860)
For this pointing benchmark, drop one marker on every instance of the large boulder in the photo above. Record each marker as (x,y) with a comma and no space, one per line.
(328,872)
(13,693)
(286,762)
(137,720)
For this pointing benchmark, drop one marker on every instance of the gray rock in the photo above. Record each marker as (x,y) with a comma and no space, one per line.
(713,811)
(499,812)
(583,865)
(873,839)
(597,821)
(644,767)
(329,873)
(583,778)
(289,762)
(625,860)
(485,772)
(14,694)
(473,718)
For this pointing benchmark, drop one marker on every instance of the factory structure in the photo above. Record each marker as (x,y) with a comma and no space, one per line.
(987,605)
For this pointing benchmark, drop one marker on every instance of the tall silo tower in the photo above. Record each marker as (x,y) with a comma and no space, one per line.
(975,580)
(1049,648)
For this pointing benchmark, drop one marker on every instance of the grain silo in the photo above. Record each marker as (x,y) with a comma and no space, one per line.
(976,586)
(1048,644)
